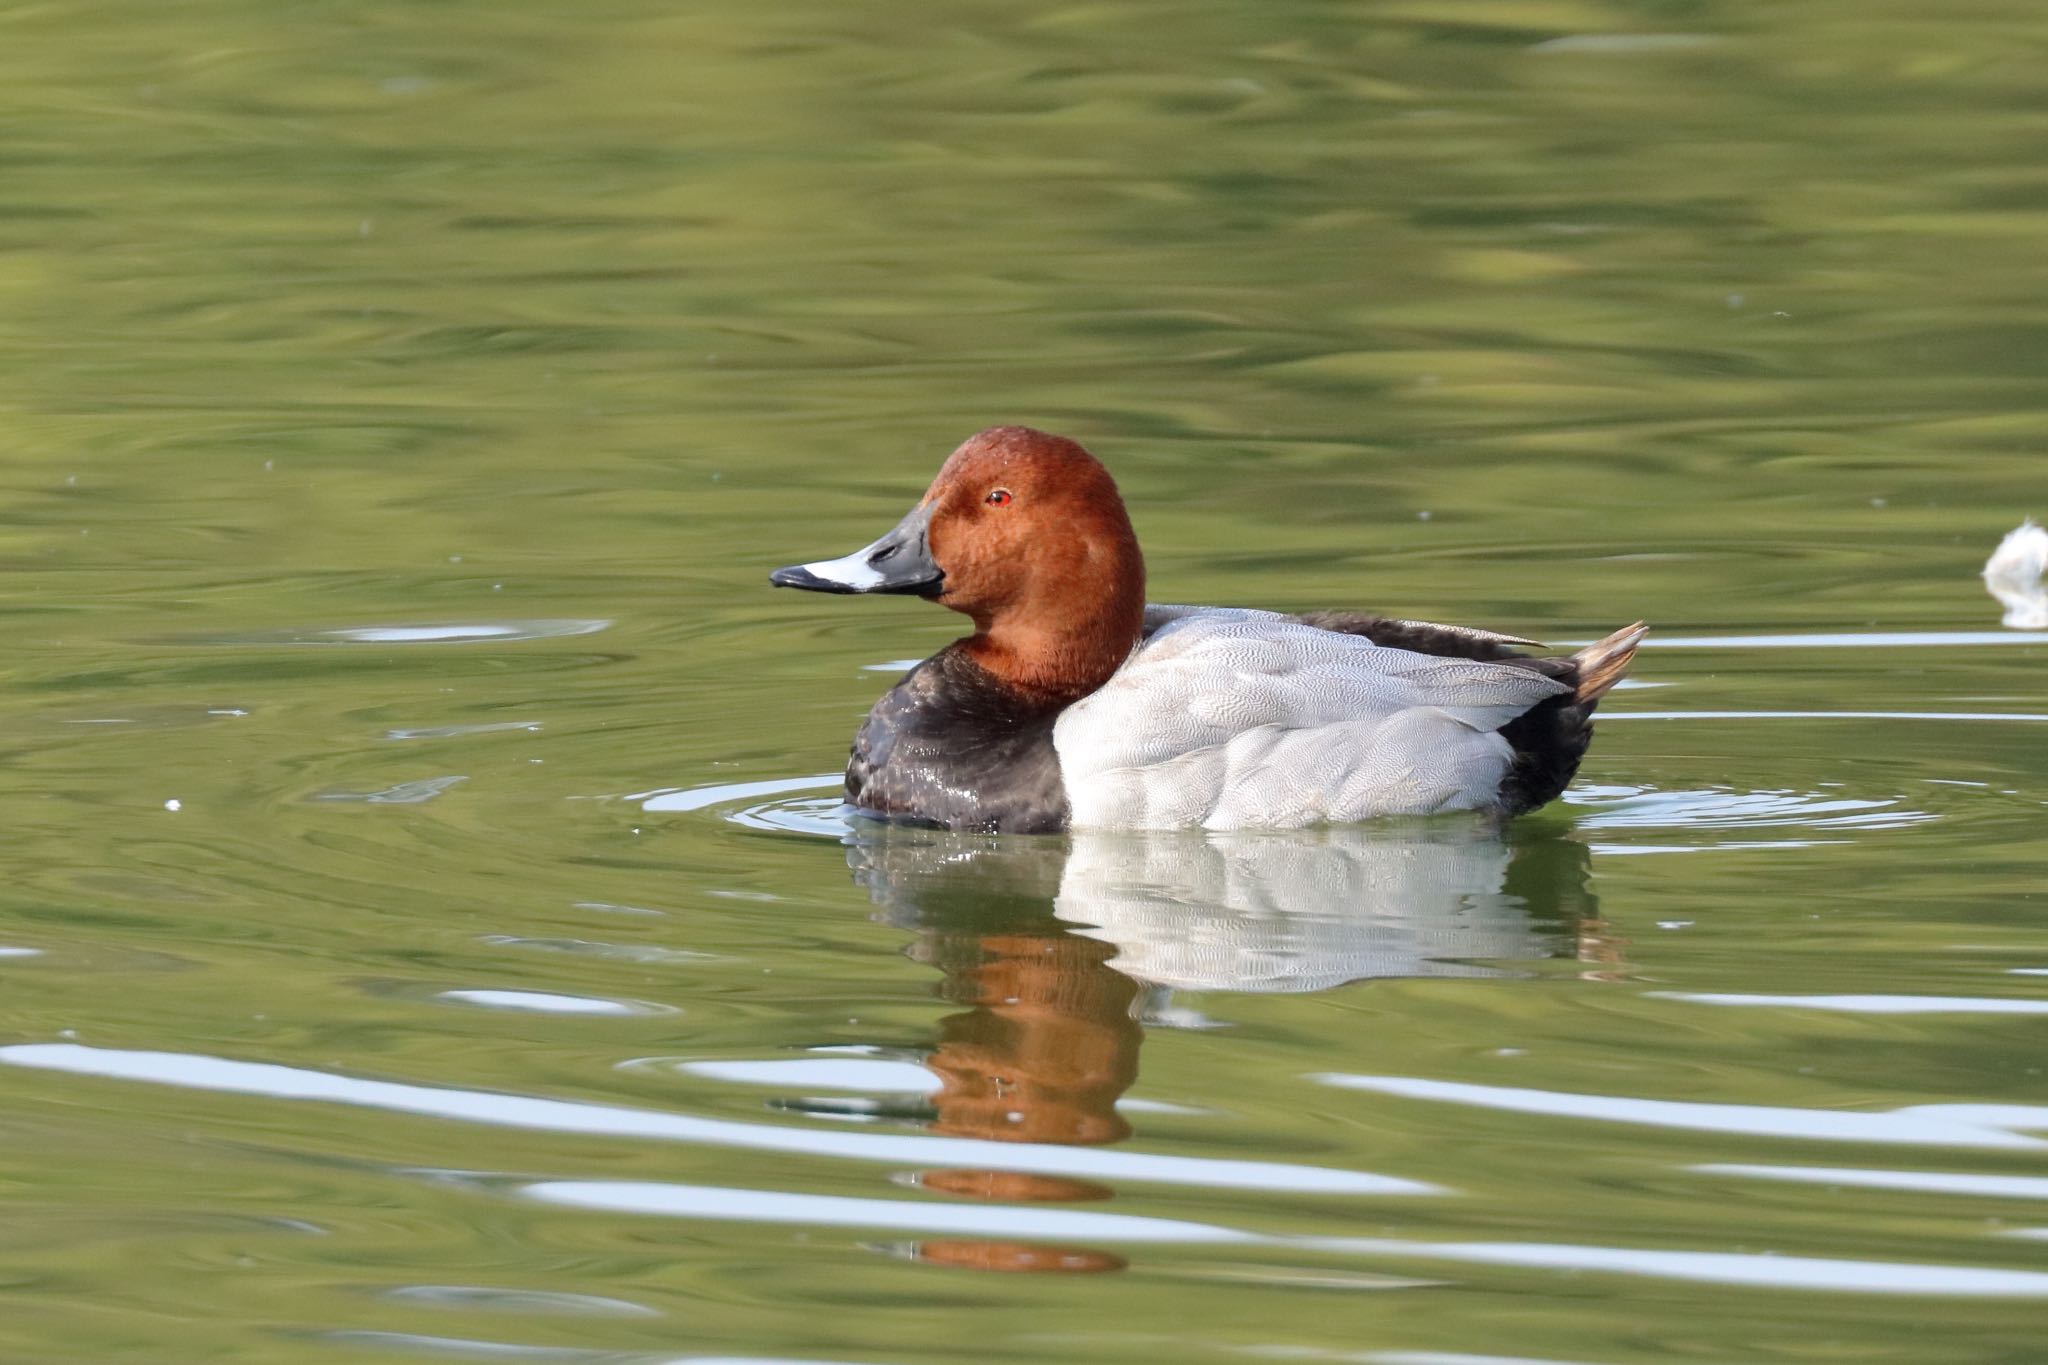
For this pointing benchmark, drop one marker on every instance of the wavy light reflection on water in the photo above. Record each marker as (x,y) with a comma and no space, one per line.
(2014,716)
(1865,1004)
(543,1002)
(1938,1125)
(452,633)
(1605,808)
(1766,1271)
(1922,1182)
(1871,639)
(767,1206)
(567,1116)
(1296,914)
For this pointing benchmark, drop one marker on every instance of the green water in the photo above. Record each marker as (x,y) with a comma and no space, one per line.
(402,405)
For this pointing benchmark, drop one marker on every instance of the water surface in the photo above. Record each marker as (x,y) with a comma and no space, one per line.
(428,931)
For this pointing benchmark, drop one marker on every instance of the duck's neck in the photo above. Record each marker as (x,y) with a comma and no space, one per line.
(1065,620)
(1049,665)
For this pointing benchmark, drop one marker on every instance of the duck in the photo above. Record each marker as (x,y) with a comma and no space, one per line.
(1075,704)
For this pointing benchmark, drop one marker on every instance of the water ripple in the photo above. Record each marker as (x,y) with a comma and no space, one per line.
(819,815)
(670,799)
(1944,1125)
(447,633)
(194,1071)
(416,1343)
(1610,714)
(1750,1270)
(1872,639)
(547,1002)
(1747,1269)
(454,731)
(475,1298)
(614,952)
(1615,807)
(821,1073)
(1865,1004)
(1927,1182)
(722,1204)
(1602,807)
(411,793)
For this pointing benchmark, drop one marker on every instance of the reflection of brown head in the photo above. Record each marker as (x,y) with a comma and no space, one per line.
(1047,1050)
(1018,1257)
(1014,1187)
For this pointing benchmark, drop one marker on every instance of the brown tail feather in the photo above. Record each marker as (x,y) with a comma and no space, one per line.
(1602,663)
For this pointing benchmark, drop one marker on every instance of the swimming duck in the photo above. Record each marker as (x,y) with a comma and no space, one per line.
(1074,704)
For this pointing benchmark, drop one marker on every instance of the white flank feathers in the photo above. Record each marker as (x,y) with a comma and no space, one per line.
(1231,718)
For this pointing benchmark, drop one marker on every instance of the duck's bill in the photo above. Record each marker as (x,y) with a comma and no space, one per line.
(900,562)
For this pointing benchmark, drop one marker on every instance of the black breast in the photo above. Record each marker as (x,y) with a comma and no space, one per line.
(950,746)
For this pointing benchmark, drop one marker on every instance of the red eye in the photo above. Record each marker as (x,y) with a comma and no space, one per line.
(999,498)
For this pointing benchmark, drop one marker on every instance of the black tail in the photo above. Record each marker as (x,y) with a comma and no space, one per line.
(1551,737)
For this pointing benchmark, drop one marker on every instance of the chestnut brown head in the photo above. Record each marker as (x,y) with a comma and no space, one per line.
(1025,533)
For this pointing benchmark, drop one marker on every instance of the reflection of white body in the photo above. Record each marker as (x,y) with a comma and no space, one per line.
(1280,913)
(2013,576)
(1269,912)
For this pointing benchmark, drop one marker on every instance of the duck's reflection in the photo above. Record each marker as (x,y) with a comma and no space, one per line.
(1059,951)
(1047,1043)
